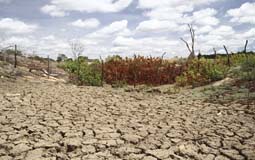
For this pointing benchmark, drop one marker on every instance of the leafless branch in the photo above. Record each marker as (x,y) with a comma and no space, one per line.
(162,57)
(192,47)
(187,44)
(77,48)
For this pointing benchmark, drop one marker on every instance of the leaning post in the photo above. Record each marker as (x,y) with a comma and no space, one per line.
(227,55)
(102,71)
(15,57)
(48,66)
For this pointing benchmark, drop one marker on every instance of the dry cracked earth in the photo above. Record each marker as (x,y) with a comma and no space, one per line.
(46,120)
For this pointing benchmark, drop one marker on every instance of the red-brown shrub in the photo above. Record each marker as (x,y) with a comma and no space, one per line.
(141,70)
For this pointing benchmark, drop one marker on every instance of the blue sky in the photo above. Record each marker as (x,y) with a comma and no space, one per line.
(126,27)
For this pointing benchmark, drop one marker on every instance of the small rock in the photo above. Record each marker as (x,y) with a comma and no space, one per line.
(131,138)
(160,153)
(20,148)
(72,144)
(45,144)
(149,158)
(209,157)
(89,141)
(220,157)
(88,149)
(190,150)
(35,154)
(6,158)
(234,154)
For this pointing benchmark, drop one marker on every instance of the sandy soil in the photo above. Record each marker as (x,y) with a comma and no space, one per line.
(50,120)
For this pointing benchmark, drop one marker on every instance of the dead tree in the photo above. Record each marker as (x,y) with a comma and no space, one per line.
(192,47)
(77,49)
(227,55)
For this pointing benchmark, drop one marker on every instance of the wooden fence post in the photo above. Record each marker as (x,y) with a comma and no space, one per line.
(102,71)
(15,57)
(246,43)
(158,69)
(215,53)
(79,68)
(48,66)
(227,55)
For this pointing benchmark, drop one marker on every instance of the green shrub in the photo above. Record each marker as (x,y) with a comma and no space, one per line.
(248,69)
(83,73)
(202,72)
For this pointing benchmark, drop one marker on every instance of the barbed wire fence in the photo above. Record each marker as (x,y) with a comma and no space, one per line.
(18,55)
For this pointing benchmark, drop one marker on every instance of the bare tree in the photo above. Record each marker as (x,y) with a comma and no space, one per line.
(192,47)
(77,48)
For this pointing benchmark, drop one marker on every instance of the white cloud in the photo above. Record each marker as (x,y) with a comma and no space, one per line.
(171,9)
(88,23)
(173,3)
(175,21)
(50,37)
(205,17)
(22,43)
(48,45)
(117,27)
(53,46)
(14,26)
(60,7)
(216,38)
(156,41)
(156,26)
(146,46)
(223,31)
(225,35)
(53,11)
(168,13)
(5,1)
(172,16)
(249,34)
(203,29)
(244,14)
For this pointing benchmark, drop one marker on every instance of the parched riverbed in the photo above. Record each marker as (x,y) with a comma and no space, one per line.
(47,120)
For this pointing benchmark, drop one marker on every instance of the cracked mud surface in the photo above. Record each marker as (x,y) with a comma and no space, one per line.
(45,120)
